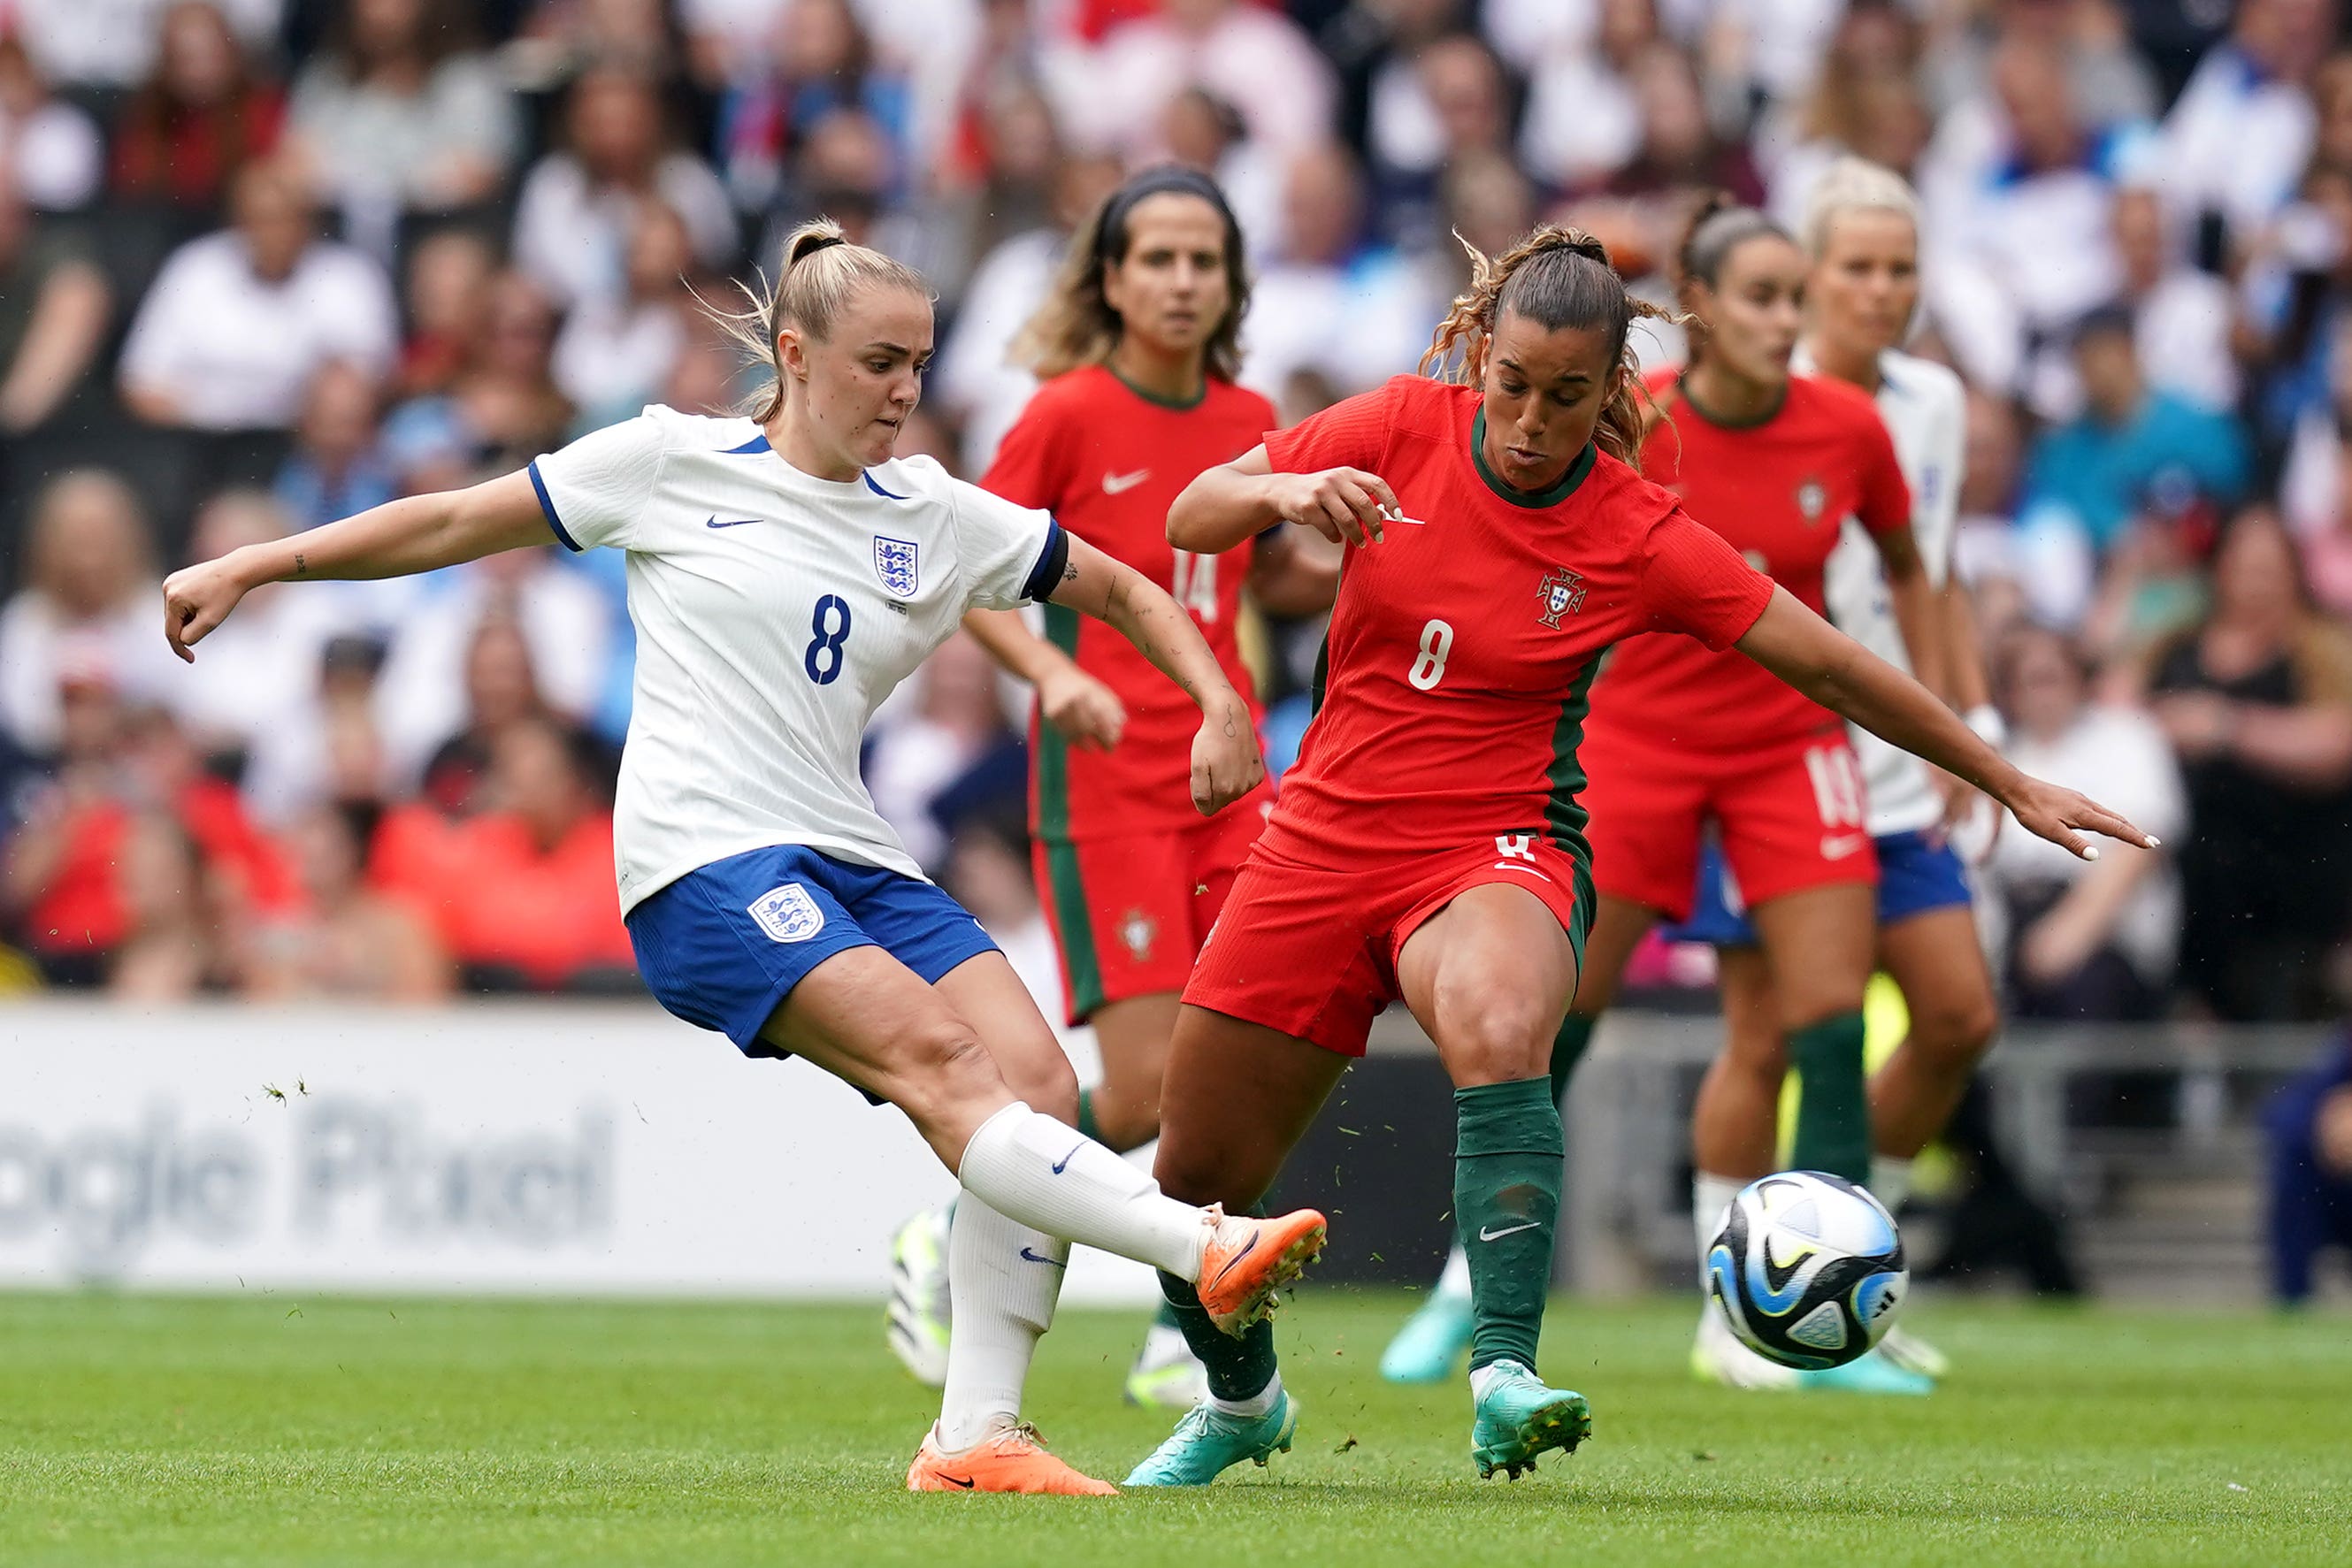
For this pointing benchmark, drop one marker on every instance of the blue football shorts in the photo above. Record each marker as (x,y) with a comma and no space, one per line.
(723,946)
(1918,872)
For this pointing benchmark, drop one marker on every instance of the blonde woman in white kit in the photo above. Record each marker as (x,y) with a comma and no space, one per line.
(785,573)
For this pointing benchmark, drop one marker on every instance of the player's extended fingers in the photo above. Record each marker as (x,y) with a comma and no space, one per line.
(1343,517)
(1382,493)
(1362,502)
(2090,814)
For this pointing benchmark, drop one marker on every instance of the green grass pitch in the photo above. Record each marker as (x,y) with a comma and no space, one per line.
(276,1429)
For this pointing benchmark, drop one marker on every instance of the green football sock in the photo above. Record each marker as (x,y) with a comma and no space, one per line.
(1567,1050)
(1833,1111)
(1507,1176)
(1238,1368)
(1087,1126)
(1165,1318)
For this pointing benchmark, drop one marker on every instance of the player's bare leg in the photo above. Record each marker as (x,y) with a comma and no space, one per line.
(1948,991)
(1490,978)
(1133,1034)
(1123,1113)
(1228,1147)
(1433,1340)
(1031,1184)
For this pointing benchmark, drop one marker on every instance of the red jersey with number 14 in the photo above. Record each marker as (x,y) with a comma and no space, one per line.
(1463,645)
(1108,461)
(1778,492)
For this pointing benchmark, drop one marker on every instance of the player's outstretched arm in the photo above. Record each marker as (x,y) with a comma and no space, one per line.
(1839,673)
(414,534)
(1226,764)
(1238,500)
(1087,712)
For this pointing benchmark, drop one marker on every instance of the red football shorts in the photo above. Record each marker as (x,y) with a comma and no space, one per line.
(1790,818)
(1311,949)
(1129,912)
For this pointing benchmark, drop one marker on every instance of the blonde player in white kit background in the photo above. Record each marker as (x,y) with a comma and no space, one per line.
(1861,232)
(784,573)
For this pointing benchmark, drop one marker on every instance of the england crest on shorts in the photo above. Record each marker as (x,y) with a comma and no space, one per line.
(788,914)
(895,562)
(1561,593)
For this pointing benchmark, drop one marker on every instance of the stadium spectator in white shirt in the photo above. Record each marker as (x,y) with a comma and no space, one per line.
(785,573)
(239,321)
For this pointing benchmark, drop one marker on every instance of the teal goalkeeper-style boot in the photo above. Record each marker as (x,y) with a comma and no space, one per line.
(1519,1418)
(1431,1343)
(1208,1442)
(1873,1373)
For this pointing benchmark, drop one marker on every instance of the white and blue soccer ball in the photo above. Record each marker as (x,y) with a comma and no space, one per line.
(1807,1268)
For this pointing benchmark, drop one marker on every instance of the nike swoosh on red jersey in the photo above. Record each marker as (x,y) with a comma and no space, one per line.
(1119,484)
(1837,846)
(1514,865)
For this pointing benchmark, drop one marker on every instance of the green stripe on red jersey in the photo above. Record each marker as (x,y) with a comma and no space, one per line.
(1074,923)
(1053,772)
(1564,812)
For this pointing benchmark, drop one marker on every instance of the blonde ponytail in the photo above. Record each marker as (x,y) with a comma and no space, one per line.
(821,270)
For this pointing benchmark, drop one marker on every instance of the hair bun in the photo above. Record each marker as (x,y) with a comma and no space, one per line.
(814,237)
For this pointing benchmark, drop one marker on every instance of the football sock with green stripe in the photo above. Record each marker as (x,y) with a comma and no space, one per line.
(1087,1123)
(1833,1111)
(1506,1180)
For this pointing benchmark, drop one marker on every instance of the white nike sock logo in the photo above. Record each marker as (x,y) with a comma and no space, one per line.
(1487,1234)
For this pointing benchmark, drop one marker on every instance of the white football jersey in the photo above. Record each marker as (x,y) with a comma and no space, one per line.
(1925,411)
(774,610)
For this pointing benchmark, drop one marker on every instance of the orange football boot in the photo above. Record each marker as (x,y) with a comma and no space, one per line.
(1012,1459)
(1246,1261)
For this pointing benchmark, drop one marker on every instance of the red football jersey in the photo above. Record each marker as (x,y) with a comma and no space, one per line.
(1108,462)
(1778,492)
(1452,696)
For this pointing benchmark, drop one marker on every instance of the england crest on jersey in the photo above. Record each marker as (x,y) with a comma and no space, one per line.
(1561,593)
(788,914)
(895,562)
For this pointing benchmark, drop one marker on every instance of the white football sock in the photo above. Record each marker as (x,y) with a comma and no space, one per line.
(1455,1283)
(1890,1181)
(1003,1279)
(1257,1405)
(1049,1176)
(1710,1195)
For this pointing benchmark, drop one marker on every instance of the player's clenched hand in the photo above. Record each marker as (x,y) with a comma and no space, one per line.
(195,600)
(1226,764)
(1087,713)
(2063,817)
(1344,504)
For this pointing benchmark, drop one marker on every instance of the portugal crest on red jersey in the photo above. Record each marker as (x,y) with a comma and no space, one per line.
(1561,593)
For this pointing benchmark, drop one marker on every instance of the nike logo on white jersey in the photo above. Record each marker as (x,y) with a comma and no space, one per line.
(1837,846)
(1119,484)
(1487,1234)
(737,523)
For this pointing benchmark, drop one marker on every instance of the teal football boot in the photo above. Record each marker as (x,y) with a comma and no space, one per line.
(1208,1442)
(1431,1343)
(1519,1418)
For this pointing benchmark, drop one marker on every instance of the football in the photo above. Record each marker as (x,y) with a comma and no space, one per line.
(1809,1268)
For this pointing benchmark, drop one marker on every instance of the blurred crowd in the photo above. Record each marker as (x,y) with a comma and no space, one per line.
(265,263)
